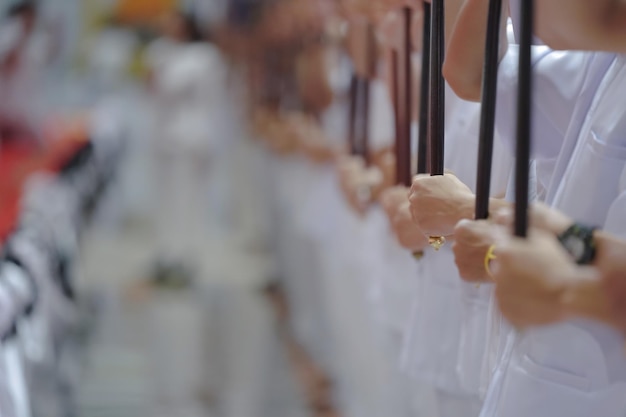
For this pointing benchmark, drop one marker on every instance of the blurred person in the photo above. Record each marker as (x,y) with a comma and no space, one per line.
(185,75)
(359,252)
(394,286)
(295,94)
(431,352)
(534,373)
(372,240)
(584,25)
(26,48)
(111,55)
(306,221)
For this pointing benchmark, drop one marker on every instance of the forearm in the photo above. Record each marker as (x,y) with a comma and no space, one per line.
(583,24)
(589,295)
(614,25)
(465,57)
(452,13)
(586,297)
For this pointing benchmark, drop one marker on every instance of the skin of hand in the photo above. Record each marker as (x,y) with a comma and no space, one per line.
(585,295)
(612,264)
(272,131)
(375,10)
(382,14)
(394,202)
(438,203)
(389,30)
(362,53)
(312,141)
(354,177)
(409,236)
(283,132)
(312,79)
(613,267)
(541,217)
(582,24)
(472,240)
(391,199)
(319,150)
(538,284)
(282,142)
(383,177)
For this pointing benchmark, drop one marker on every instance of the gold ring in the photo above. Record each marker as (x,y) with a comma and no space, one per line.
(490,256)
(437,242)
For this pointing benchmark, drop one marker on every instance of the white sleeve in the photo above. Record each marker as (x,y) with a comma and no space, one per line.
(558,78)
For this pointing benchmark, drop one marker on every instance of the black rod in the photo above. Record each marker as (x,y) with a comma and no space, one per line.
(371,62)
(437,89)
(488,110)
(364,148)
(524,97)
(422,146)
(395,91)
(352,114)
(405,161)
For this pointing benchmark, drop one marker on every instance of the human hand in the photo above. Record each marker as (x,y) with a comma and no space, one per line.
(472,240)
(438,203)
(538,284)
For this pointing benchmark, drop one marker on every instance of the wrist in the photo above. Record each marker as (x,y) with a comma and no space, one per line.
(584,296)
(580,242)
(466,208)
(606,246)
(560,224)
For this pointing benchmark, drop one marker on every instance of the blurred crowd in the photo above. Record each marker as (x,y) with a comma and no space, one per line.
(335,180)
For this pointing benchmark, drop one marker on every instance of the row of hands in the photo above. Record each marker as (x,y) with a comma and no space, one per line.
(536,281)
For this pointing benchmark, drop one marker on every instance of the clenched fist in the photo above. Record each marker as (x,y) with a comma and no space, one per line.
(538,284)
(358,182)
(395,203)
(472,241)
(438,203)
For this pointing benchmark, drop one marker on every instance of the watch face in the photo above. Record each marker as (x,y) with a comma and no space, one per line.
(575,246)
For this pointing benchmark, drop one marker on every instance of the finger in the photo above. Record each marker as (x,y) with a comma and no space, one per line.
(462,228)
(503,217)
(466,228)
(420,177)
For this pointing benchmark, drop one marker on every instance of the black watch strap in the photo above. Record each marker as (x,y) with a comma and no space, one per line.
(579,242)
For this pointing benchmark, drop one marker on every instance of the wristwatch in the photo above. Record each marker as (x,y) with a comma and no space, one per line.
(579,242)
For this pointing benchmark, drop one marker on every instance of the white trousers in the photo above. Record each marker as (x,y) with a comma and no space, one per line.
(182,210)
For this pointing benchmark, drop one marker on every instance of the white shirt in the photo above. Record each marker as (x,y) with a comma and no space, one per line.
(188,79)
(543,375)
(441,305)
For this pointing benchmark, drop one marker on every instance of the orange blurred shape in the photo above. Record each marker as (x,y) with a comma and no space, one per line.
(142,11)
